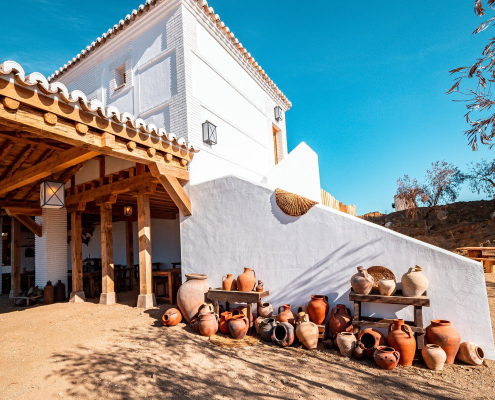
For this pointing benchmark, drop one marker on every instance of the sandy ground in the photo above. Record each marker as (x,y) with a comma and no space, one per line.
(88,351)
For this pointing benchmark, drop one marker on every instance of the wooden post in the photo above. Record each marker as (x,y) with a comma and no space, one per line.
(129,242)
(77,294)
(15,258)
(146,297)
(107,266)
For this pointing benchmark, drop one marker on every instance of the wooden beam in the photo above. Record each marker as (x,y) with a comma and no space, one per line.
(17,137)
(107,266)
(76,252)
(27,221)
(28,150)
(6,147)
(119,212)
(57,163)
(15,257)
(129,246)
(173,188)
(70,172)
(31,211)
(144,227)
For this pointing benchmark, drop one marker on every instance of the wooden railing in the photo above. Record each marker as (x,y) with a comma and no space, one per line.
(328,200)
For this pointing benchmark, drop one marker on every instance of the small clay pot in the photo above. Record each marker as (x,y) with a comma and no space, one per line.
(401,338)
(386,357)
(434,356)
(362,282)
(267,326)
(283,334)
(227,282)
(387,287)
(286,315)
(318,308)
(346,342)
(208,324)
(259,287)
(371,339)
(206,308)
(358,351)
(307,333)
(223,325)
(242,310)
(302,317)
(171,317)
(442,332)
(470,353)
(238,326)
(257,322)
(265,310)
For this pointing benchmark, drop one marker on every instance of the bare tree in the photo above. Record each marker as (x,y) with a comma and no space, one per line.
(441,185)
(481,177)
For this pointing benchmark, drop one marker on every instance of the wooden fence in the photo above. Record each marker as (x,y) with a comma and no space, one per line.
(328,200)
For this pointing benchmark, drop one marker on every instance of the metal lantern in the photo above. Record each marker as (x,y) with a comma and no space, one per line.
(52,194)
(278,114)
(128,210)
(209,133)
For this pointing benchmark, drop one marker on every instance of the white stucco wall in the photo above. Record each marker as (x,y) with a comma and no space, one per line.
(237,224)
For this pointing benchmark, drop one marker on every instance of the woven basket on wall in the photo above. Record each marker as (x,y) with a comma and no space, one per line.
(293,204)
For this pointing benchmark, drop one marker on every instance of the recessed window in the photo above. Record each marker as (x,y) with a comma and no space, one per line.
(209,133)
(120,77)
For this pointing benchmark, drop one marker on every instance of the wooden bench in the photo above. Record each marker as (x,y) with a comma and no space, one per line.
(476,254)
(27,298)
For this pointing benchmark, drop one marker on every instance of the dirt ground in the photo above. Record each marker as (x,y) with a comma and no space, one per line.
(88,351)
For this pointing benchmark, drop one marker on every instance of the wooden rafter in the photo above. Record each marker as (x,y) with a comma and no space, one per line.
(27,221)
(28,150)
(5,149)
(70,172)
(18,137)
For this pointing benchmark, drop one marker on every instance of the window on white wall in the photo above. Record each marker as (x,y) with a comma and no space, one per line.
(120,74)
(120,78)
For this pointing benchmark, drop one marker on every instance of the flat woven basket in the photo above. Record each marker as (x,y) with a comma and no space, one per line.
(379,273)
(293,204)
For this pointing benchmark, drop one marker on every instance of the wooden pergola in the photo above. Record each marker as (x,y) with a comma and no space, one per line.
(42,136)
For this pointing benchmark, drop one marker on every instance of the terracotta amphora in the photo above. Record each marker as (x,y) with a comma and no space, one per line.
(266,329)
(286,315)
(227,282)
(442,332)
(259,287)
(358,351)
(470,353)
(223,325)
(307,333)
(346,341)
(371,339)
(238,326)
(386,357)
(387,287)
(171,317)
(246,280)
(208,323)
(283,334)
(318,308)
(414,283)
(362,282)
(340,320)
(192,294)
(434,356)
(265,310)
(401,338)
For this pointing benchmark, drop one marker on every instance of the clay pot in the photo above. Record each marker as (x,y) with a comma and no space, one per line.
(208,324)
(302,317)
(362,282)
(307,333)
(267,326)
(387,287)
(414,283)
(192,294)
(223,325)
(302,308)
(246,281)
(386,357)
(48,293)
(206,308)
(318,309)
(346,342)
(286,315)
(195,324)
(340,320)
(470,353)
(434,356)
(358,351)
(242,310)
(59,290)
(238,326)
(259,287)
(257,322)
(171,317)
(371,339)
(283,334)
(442,332)
(265,310)
(401,338)
(227,282)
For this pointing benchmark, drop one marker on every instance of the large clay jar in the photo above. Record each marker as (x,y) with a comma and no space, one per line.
(346,342)
(401,338)
(48,293)
(318,308)
(362,282)
(227,282)
(371,339)
(442,332)
(387,287)
(265,310)
(414,283)
(307,333)
(283,334)
(266,329)
(238,326)
(171,317)
(208,323)
(434,356)
(358,351)
(386,357)
(192,294)
(470,353)
(246,280)
(286,315)
(223,325)
(340,320)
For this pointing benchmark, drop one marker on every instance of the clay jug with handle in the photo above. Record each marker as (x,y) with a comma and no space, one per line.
(340,320)
(227,282)
(286,315)
(246,280)
(401,338)
(362,282)
(238,326)
(318,308)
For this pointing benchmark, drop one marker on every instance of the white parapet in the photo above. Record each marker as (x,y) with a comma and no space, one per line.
(237,224)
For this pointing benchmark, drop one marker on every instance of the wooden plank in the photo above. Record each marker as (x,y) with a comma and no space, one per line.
(28,222)
(15,256)
(107,265)
(18,137)
(76,251)
(28,150)
(129,247)
(384,325)
(144,234)
(236,296)
(5,149)
(397,299)
(173,188)
(56,163)
(418,321)
(32,211)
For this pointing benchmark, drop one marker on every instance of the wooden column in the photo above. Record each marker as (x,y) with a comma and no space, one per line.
(77,294)
(146,298)
(129,243)
(15,258)
(107,266)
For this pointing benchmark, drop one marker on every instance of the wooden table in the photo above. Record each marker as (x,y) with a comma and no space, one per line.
(91,276)
(124,274)
(476,253)
(27,298)
(234,296)
(417,327)
(170,274)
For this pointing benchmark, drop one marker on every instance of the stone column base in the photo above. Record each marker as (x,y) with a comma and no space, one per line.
(146,301)
(77,297)
(14,293)
(108,298)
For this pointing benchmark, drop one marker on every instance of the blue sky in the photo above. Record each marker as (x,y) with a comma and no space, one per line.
(367,79)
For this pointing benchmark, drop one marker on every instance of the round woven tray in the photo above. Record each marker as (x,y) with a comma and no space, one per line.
(378,273)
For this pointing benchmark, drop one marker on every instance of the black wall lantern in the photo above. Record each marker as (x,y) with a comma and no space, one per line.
(52,194)
(279,116)
(209,133)
(128,210)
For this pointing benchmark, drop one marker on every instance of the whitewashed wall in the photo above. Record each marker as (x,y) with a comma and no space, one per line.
(237,224)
